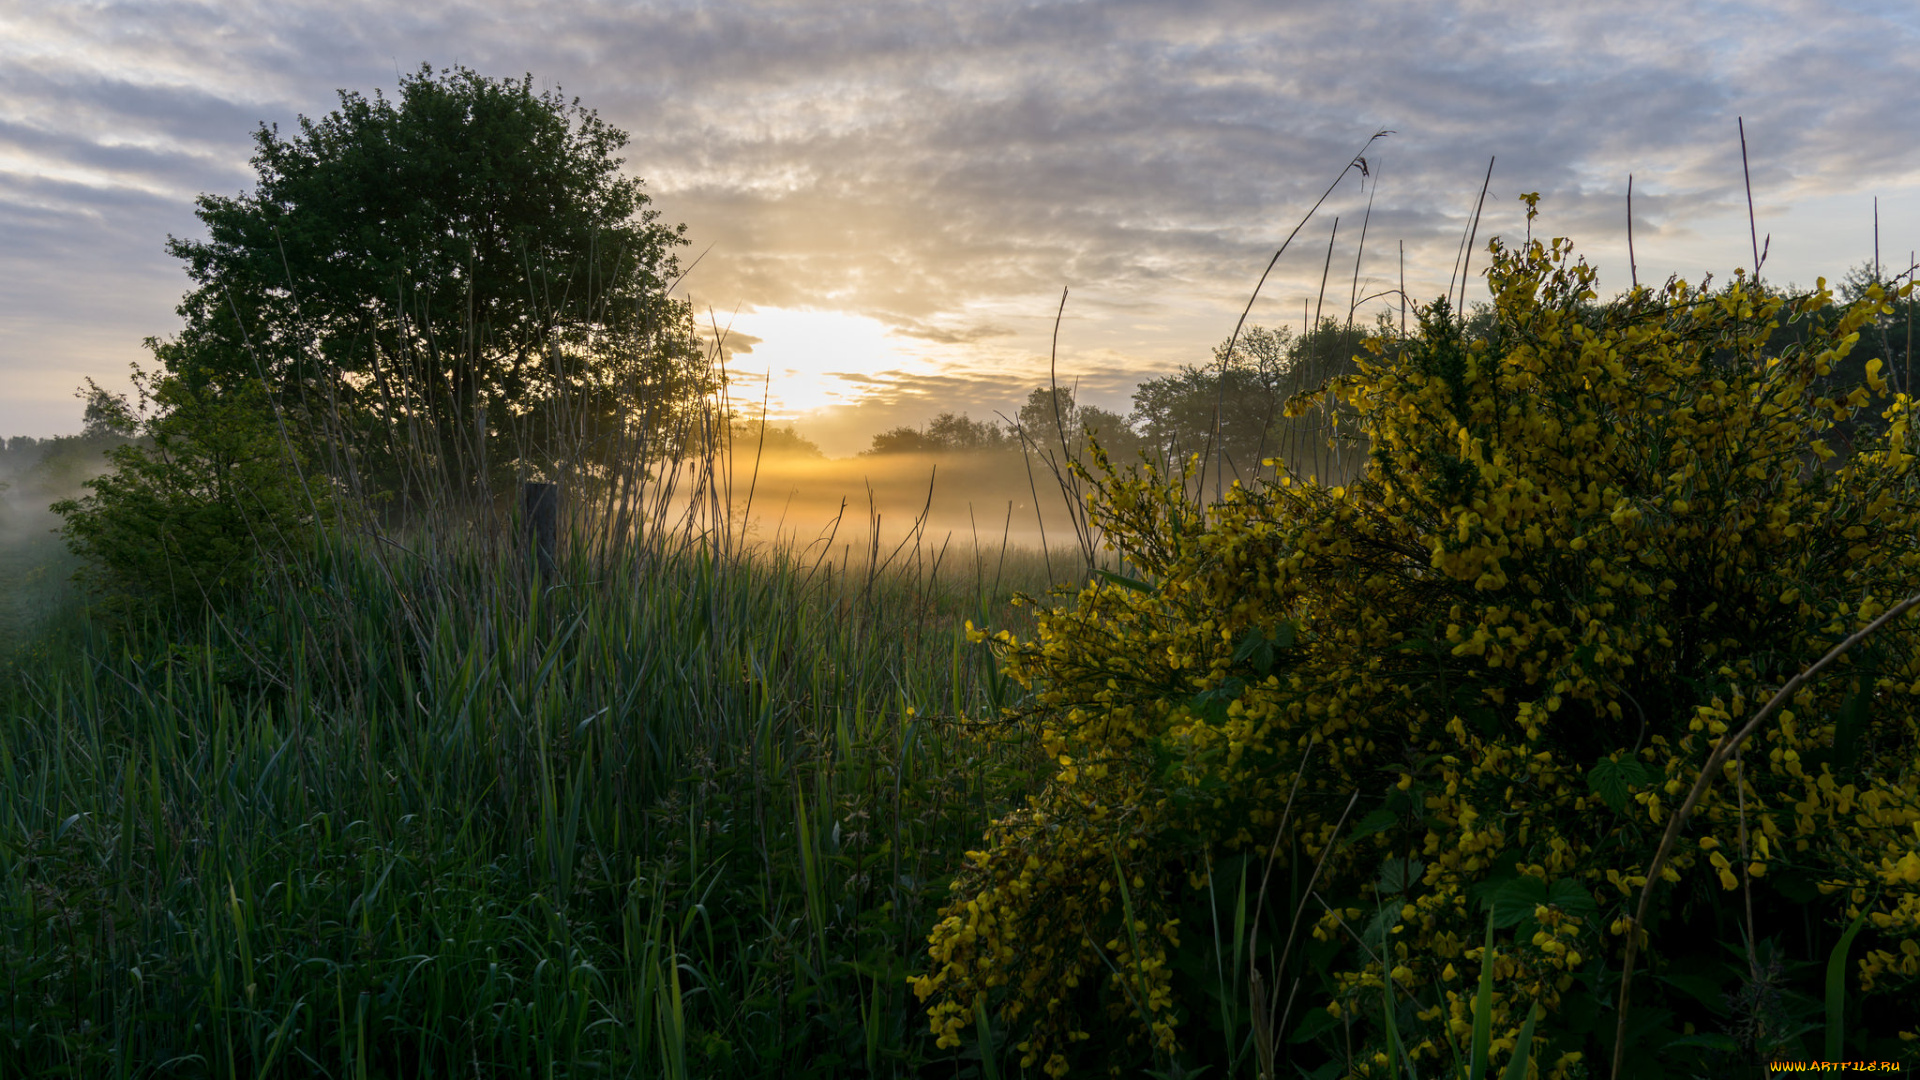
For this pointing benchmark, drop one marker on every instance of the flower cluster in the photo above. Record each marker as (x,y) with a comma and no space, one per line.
(1588,544)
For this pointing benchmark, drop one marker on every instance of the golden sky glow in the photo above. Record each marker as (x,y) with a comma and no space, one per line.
(891,198)
(816,359)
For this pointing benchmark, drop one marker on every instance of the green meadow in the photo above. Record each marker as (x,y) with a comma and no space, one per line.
(682,809)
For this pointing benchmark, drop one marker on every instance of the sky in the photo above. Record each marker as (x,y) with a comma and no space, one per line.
(891,197)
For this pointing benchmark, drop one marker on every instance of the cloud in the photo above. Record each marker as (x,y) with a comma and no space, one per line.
(945,168)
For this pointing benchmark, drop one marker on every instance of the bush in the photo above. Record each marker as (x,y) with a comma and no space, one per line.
(1470,687)
(191,509)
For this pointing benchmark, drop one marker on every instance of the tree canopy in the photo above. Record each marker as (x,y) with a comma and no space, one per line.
(1175,413)
(470,244)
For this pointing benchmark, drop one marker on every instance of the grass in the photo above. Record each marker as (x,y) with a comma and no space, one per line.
(404,813)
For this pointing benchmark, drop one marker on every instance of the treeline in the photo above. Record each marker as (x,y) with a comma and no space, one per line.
(1037,425)
(40,470)
(1232,410)
(755,436)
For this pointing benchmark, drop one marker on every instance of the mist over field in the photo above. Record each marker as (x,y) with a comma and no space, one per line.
(956,510)
(966,500)
(35,566)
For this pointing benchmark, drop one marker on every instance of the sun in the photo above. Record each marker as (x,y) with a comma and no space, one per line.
(809,360)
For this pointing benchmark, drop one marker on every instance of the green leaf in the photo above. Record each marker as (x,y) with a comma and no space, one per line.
(1512,902)
(1315,1022)
(1571,897)
(1398,874)
(1614,781)
(1212,704)
(1376,822)
(1396,1051)
(1260,648)
(1482,1011)
(1125,582)
(1837,988)
(987,1064)
(1848,725)
(1380,927)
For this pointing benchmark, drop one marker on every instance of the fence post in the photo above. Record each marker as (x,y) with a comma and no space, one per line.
(540,514)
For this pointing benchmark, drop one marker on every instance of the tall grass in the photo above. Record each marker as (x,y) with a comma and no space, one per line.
(685,807)
(410,816)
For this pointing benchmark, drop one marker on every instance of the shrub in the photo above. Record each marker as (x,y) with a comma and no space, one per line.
(189,511)
(1471,686)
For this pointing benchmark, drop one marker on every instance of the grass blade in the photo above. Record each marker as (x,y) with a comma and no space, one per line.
(1522,1048)
(1837,988)
(988,1065)
(1482,1011)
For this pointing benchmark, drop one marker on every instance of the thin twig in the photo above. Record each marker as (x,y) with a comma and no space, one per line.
(1365,219)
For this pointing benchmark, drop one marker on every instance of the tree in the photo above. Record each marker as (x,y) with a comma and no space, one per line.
(469,246)
(752,437)
(1175,413)
(952,433)
(1115,434)
(944,434)
(1047,416)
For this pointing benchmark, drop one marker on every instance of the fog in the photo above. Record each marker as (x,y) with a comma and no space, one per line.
(962,501)
(962,509)
(35,566)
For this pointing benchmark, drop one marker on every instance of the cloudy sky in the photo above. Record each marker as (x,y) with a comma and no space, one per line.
(894,194)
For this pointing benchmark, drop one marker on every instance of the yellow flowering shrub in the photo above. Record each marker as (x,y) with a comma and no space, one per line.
(1586,544)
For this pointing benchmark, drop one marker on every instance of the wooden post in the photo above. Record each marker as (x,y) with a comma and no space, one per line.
(540,514)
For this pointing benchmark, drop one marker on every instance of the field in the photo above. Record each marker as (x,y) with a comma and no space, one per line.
(696,802)
(688,812)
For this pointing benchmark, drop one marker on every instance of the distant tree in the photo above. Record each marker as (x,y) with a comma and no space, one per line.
(470,245)
(946,433)
(750,436)
(55,467)
(1046,417)
(904,439)
(18,453)
(1043,430)
(1115,435)
(951,433)
(1248,392)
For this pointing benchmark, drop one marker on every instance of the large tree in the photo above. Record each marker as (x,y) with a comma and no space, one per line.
(469,245)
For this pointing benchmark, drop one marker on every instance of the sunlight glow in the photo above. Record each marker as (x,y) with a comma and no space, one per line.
(817,359)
